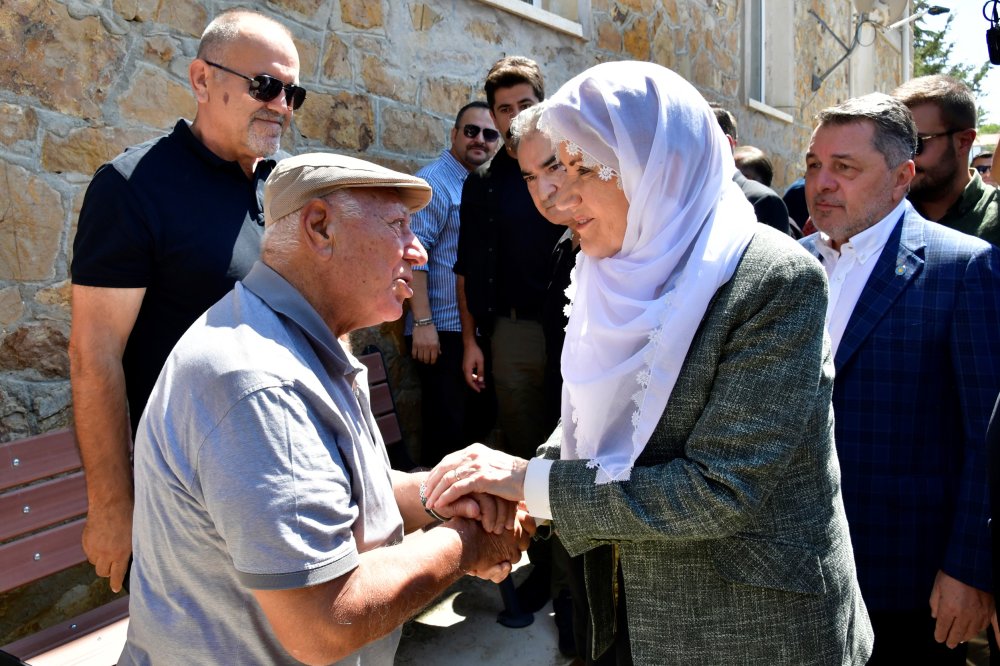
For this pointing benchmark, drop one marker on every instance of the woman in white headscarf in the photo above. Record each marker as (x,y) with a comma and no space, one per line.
(695,462)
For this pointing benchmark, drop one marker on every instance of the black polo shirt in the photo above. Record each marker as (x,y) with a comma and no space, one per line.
(170,216)
(504,244)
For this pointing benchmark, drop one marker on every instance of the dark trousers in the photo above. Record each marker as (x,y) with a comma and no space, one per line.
(620,651)
(907,637)
(453,415)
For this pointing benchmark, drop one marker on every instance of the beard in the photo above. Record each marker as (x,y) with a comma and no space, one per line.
(931,181)
(264,139)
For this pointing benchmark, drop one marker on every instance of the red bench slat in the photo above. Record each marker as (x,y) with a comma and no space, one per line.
(47,503)
(376,367)
(34,458)
(57,549)
(388,425)
(381,400)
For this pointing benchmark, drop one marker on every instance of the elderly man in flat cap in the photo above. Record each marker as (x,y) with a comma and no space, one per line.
(268,524)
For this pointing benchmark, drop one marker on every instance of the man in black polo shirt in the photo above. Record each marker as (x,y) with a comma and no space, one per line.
(165,230)
(502,272)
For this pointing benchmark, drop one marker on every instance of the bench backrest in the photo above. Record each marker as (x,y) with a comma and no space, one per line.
(384,409)
(43,502)
(43,497)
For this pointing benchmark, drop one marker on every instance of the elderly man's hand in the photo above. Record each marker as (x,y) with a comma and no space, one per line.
(495,513)
(476,469)
(485,554)
(961,610)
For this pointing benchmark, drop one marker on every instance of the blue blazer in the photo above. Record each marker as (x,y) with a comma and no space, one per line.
(917,373)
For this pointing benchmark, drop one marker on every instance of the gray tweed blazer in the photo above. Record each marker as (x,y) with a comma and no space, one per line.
(731,533)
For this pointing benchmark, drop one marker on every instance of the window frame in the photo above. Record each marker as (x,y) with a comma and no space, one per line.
(529,9)
(769,76)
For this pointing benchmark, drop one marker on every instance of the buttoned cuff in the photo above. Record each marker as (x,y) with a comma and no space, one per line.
(536,488)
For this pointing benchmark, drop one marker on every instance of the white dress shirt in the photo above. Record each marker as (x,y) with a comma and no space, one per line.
(849,270)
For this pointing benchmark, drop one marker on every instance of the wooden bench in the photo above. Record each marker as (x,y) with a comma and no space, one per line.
(43,507)
(384,409)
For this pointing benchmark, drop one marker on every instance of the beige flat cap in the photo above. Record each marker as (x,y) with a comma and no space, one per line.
(297,180)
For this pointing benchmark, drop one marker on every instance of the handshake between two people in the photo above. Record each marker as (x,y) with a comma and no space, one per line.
(486,485)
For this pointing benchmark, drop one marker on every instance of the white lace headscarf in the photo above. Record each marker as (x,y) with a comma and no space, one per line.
(634,314)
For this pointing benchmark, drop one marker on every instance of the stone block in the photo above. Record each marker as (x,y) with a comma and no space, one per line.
(14,424)
(17,123)
(161,49)
(308,58)
(11,306)
(664,47)
(412,133)
(157,100)
(608,37)
(336,61)
(85,149)
(636,40)
(39,350)
(361,13)
(490,32)
(186,16)
(140,11)
(52,401)
(446,96)
(67,64)
(56,298)
(423,17)
(338,120)
(644,7)
(31,225)
(308,9)
(380,78)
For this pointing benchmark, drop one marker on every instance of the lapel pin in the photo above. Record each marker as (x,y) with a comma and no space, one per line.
(900,270)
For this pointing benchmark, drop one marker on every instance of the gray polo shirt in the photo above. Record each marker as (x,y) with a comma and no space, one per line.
(258,465)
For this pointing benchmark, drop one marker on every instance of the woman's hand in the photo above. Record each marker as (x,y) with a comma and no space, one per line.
(476,469)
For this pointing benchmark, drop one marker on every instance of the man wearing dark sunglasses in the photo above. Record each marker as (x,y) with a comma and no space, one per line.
(165,230)
(453,415)
(945,189)
(983,163)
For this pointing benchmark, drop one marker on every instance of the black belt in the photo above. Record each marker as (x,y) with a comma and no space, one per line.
(523,313)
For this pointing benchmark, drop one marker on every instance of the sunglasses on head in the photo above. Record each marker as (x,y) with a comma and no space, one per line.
(264,88)
(472,131)
(982,168)
(921,140)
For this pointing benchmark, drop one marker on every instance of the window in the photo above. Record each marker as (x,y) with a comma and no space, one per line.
(561,15)
(770,62)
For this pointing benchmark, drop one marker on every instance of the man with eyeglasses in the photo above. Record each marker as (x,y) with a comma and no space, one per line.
(453,415)
(504,249)
(983,163)
(945,189)
(165,230)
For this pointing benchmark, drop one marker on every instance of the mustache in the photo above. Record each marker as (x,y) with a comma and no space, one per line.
(273,116)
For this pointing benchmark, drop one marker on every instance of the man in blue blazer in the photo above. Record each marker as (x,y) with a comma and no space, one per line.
(914,322)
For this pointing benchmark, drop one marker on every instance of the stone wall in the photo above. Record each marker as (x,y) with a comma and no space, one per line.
(82,79)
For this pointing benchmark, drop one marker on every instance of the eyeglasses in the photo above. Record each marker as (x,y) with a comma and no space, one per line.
(264,88)
(927,137)
(982,168)
(472,131)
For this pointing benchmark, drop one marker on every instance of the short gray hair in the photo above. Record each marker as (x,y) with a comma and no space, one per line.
(525,123)
(225,29)
(281,237)
(895,131)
